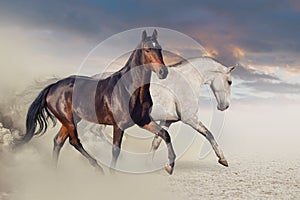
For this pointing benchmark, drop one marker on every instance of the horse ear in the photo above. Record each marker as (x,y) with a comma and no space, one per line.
(230,69)
(154,34)
(144,35)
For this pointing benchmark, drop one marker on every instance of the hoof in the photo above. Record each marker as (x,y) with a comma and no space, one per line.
(112,171)
(100,170)
(223,162)
(169,169)
(97,167)
(153,154)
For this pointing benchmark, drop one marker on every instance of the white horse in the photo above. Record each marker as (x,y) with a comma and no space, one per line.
(176,98)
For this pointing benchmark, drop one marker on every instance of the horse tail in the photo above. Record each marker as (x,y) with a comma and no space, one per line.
(32,91)
(38,115)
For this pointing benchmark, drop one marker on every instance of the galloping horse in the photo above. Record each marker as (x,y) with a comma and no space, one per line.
(121,100)
(197,72)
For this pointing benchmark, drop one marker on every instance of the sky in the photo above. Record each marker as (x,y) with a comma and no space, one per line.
(262,36)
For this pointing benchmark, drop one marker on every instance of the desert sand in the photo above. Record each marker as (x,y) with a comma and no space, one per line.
(261,166)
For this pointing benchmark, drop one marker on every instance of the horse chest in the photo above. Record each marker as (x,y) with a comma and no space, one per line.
(140,108)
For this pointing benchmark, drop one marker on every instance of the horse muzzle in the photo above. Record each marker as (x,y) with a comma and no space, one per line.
(222,107)
(163,72)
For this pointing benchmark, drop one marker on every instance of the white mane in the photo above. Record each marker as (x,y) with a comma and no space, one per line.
(203,63)
(204,69)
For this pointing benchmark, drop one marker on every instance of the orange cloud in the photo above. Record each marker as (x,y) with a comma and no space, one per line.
(264,68)
(237,52)
(292,70)
(211,52)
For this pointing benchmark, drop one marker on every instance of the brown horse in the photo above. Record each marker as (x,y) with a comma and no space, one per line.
(121,100)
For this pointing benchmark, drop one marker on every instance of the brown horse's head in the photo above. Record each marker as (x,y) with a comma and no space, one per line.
(151,51)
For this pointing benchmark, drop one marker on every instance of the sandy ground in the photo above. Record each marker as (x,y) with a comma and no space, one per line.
(28,174)
(248,177)
(262,151)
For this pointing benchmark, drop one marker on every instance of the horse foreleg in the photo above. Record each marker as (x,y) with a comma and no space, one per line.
(157,140)
(157,130)
(59,141)
(74,141)
(116,148)
(199,127)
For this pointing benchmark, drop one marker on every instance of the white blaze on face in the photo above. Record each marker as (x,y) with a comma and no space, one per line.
(153,43)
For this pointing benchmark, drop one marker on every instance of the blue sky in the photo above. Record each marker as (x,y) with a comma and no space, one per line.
(261,35)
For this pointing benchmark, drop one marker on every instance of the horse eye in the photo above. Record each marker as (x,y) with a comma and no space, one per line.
(148,50)
(229,82)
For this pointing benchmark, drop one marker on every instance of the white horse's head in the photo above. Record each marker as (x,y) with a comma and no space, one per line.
(220,85)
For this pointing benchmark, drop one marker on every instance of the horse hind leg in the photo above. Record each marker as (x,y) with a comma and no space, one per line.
(155,144)
(59,141)
(157,140)
(75,142)
(116,148)
(157,130)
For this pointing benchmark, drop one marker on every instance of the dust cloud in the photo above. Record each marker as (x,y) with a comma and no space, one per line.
(29,174)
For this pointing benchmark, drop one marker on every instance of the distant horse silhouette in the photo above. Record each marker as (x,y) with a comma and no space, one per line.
(121,100)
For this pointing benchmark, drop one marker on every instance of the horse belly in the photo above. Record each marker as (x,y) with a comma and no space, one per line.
(84,100)
(164,106)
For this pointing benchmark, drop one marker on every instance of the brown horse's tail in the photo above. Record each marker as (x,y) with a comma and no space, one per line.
(37,115)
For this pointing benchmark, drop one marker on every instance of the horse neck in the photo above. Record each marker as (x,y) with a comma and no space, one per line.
(207,70)
(137,75)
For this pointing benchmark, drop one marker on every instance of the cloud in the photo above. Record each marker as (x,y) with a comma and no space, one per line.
(247,74)
(295,4)
(274,87)
(254,26)
(292,70)
(76,18)
(253,85)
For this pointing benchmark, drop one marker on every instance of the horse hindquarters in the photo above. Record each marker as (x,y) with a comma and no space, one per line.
(60,103)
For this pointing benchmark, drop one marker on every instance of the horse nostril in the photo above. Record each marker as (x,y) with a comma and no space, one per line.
(161,71)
